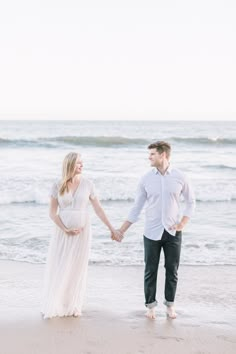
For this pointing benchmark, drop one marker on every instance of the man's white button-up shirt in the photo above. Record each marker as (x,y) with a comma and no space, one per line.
(162,195)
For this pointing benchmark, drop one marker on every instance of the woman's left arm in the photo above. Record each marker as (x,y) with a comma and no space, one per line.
(101,214)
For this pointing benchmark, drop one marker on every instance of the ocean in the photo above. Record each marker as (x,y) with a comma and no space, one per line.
(115,156)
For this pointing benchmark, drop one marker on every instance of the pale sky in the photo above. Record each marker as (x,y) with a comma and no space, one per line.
(118,59)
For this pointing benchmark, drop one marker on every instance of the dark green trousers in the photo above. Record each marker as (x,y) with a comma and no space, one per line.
(152,249)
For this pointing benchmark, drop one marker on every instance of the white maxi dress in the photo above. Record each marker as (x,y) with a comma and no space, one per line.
(67,261)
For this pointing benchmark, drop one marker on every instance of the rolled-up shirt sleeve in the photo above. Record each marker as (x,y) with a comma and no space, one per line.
(140,199)
(189,199)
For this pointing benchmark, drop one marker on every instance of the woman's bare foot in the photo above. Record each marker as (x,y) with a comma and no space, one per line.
(151,313)
(77,313)
(170,311)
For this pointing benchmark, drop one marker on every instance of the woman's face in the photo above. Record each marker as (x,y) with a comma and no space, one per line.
(78,165)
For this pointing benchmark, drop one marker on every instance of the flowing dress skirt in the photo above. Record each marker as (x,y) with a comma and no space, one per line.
(66,268)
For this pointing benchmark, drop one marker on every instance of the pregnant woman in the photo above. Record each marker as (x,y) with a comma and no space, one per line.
(67,261)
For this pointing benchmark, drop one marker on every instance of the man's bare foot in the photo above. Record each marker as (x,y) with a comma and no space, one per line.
(170,311)
(151,313)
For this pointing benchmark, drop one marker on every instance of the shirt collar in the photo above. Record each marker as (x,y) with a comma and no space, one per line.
(168,171)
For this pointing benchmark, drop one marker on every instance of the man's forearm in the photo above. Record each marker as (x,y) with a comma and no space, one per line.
(184,220)
(125,226)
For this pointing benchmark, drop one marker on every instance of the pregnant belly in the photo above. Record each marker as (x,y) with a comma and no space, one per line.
(73,219)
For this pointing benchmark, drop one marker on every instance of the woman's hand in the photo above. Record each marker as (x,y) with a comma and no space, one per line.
(73,232)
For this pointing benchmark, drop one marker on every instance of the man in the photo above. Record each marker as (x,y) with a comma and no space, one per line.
(161,190)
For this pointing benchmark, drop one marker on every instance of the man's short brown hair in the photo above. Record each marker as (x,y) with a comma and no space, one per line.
(161,146)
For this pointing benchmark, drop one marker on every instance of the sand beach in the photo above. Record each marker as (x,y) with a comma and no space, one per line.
(113,320)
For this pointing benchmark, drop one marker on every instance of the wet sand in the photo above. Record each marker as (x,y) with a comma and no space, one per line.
(113,319)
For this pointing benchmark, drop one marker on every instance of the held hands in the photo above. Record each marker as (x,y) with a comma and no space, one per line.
(117,235)
(73,232)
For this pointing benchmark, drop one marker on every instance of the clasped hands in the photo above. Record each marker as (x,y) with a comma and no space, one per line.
(117,235)
(73,232)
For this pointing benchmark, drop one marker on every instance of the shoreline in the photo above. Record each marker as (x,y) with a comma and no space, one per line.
(94,264)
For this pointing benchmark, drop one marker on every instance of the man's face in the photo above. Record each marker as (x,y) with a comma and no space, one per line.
(156,158)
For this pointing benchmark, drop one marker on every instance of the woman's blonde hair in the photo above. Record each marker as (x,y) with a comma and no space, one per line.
(68,170)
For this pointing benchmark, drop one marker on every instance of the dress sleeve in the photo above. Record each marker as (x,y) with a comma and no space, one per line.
(93,193)
(54,190)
